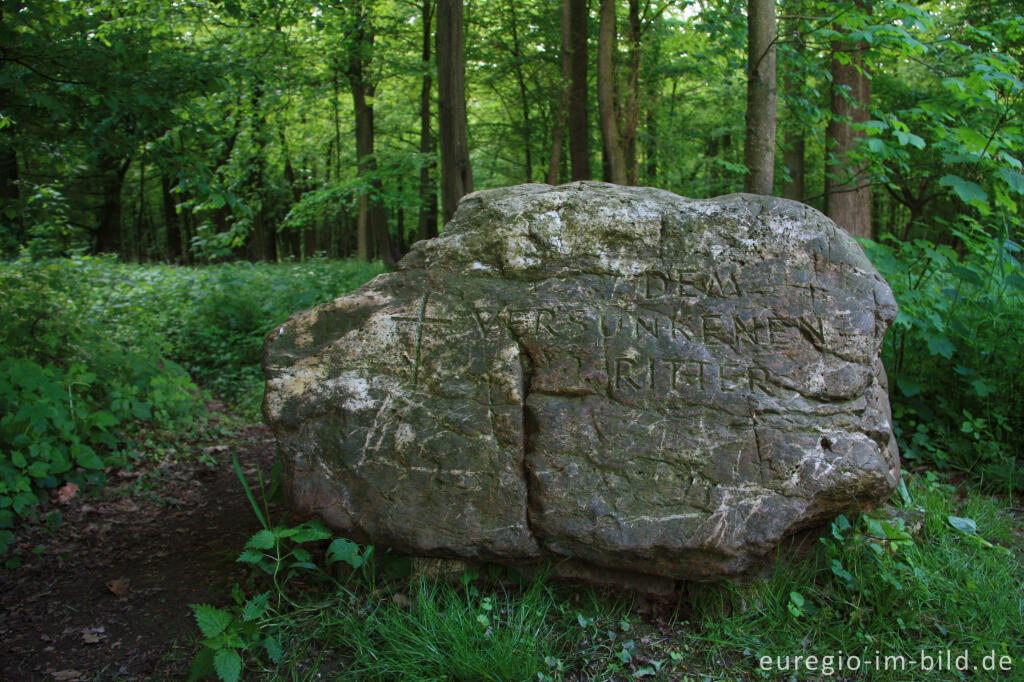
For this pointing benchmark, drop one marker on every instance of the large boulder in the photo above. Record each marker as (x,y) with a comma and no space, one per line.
(613,375)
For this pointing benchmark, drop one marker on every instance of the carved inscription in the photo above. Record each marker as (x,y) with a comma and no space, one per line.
(665,344)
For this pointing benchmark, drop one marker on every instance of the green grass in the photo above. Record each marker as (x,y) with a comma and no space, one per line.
(874,584)
(939,590)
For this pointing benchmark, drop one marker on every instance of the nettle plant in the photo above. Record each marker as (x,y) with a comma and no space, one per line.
(251,627)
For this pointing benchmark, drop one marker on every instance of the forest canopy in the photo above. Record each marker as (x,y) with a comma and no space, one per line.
(191,131)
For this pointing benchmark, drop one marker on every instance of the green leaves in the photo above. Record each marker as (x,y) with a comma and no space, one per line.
(212,621)
(228,665)
(964,525)
(969,192)
(967,308)
(346,551)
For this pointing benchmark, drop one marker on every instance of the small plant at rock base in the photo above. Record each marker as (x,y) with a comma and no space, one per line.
(250,628)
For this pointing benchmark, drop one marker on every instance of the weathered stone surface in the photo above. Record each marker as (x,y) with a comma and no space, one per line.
(615,375)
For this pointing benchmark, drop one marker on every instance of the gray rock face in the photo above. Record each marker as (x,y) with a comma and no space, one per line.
(620,376)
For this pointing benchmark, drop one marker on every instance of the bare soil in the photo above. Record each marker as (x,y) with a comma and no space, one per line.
(105,596)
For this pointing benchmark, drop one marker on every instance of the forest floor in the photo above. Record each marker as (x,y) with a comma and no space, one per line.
(106,594)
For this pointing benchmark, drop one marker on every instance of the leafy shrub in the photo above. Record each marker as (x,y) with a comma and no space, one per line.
(76,379)
(953,352)
(223,312)
(91,349)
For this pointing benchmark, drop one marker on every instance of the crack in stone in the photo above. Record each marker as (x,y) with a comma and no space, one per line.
(526,366)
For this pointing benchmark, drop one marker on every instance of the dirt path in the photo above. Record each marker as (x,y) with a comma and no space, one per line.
(105,596)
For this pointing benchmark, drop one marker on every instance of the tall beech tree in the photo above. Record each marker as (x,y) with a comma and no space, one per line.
(579,119)
(427,225)
(372,223)
(456,172)
(614,161)
(847,184)
(762,97)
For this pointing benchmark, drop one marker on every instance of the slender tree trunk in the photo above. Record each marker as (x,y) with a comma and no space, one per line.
(517,56)
(401,246)
(172,223)
(579,122)
(794,144)
(456,173)
(847,190)
(334,157)
(759,145)
(558,134)
(651,148)
(631,112)
(427,227)
(606,38)
(140,217)
(363,245)
(294,236)
(793,158)
(713,169)
(373,222)
(109,232)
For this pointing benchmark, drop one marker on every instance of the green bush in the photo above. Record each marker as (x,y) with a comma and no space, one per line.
(953,354)
(223,312)
(77,378)
(93,350)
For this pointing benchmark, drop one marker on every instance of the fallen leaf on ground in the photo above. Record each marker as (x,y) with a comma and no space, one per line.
(65,675)
(67,492)
(92,636)
(119,586)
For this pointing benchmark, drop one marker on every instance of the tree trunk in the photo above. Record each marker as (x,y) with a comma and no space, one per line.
(847,190)
(172,223)
(109,232)
(456,173)
(140,217)
(651,148)
(631,112)
(606,38)
(524,99)
(793,160)
(294,237)
(334,153)
(762,95)
(427,227)
(579,123)
(363,245)
(373,223)
(558,134)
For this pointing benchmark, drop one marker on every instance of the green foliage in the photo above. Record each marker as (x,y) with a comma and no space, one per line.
(90,352)
(78,378)
(900,583)
(221,314)
(253,625)
(956,387)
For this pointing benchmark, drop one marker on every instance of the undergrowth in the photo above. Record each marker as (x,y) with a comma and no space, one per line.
(953,354)
(96,355)
(939,574)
